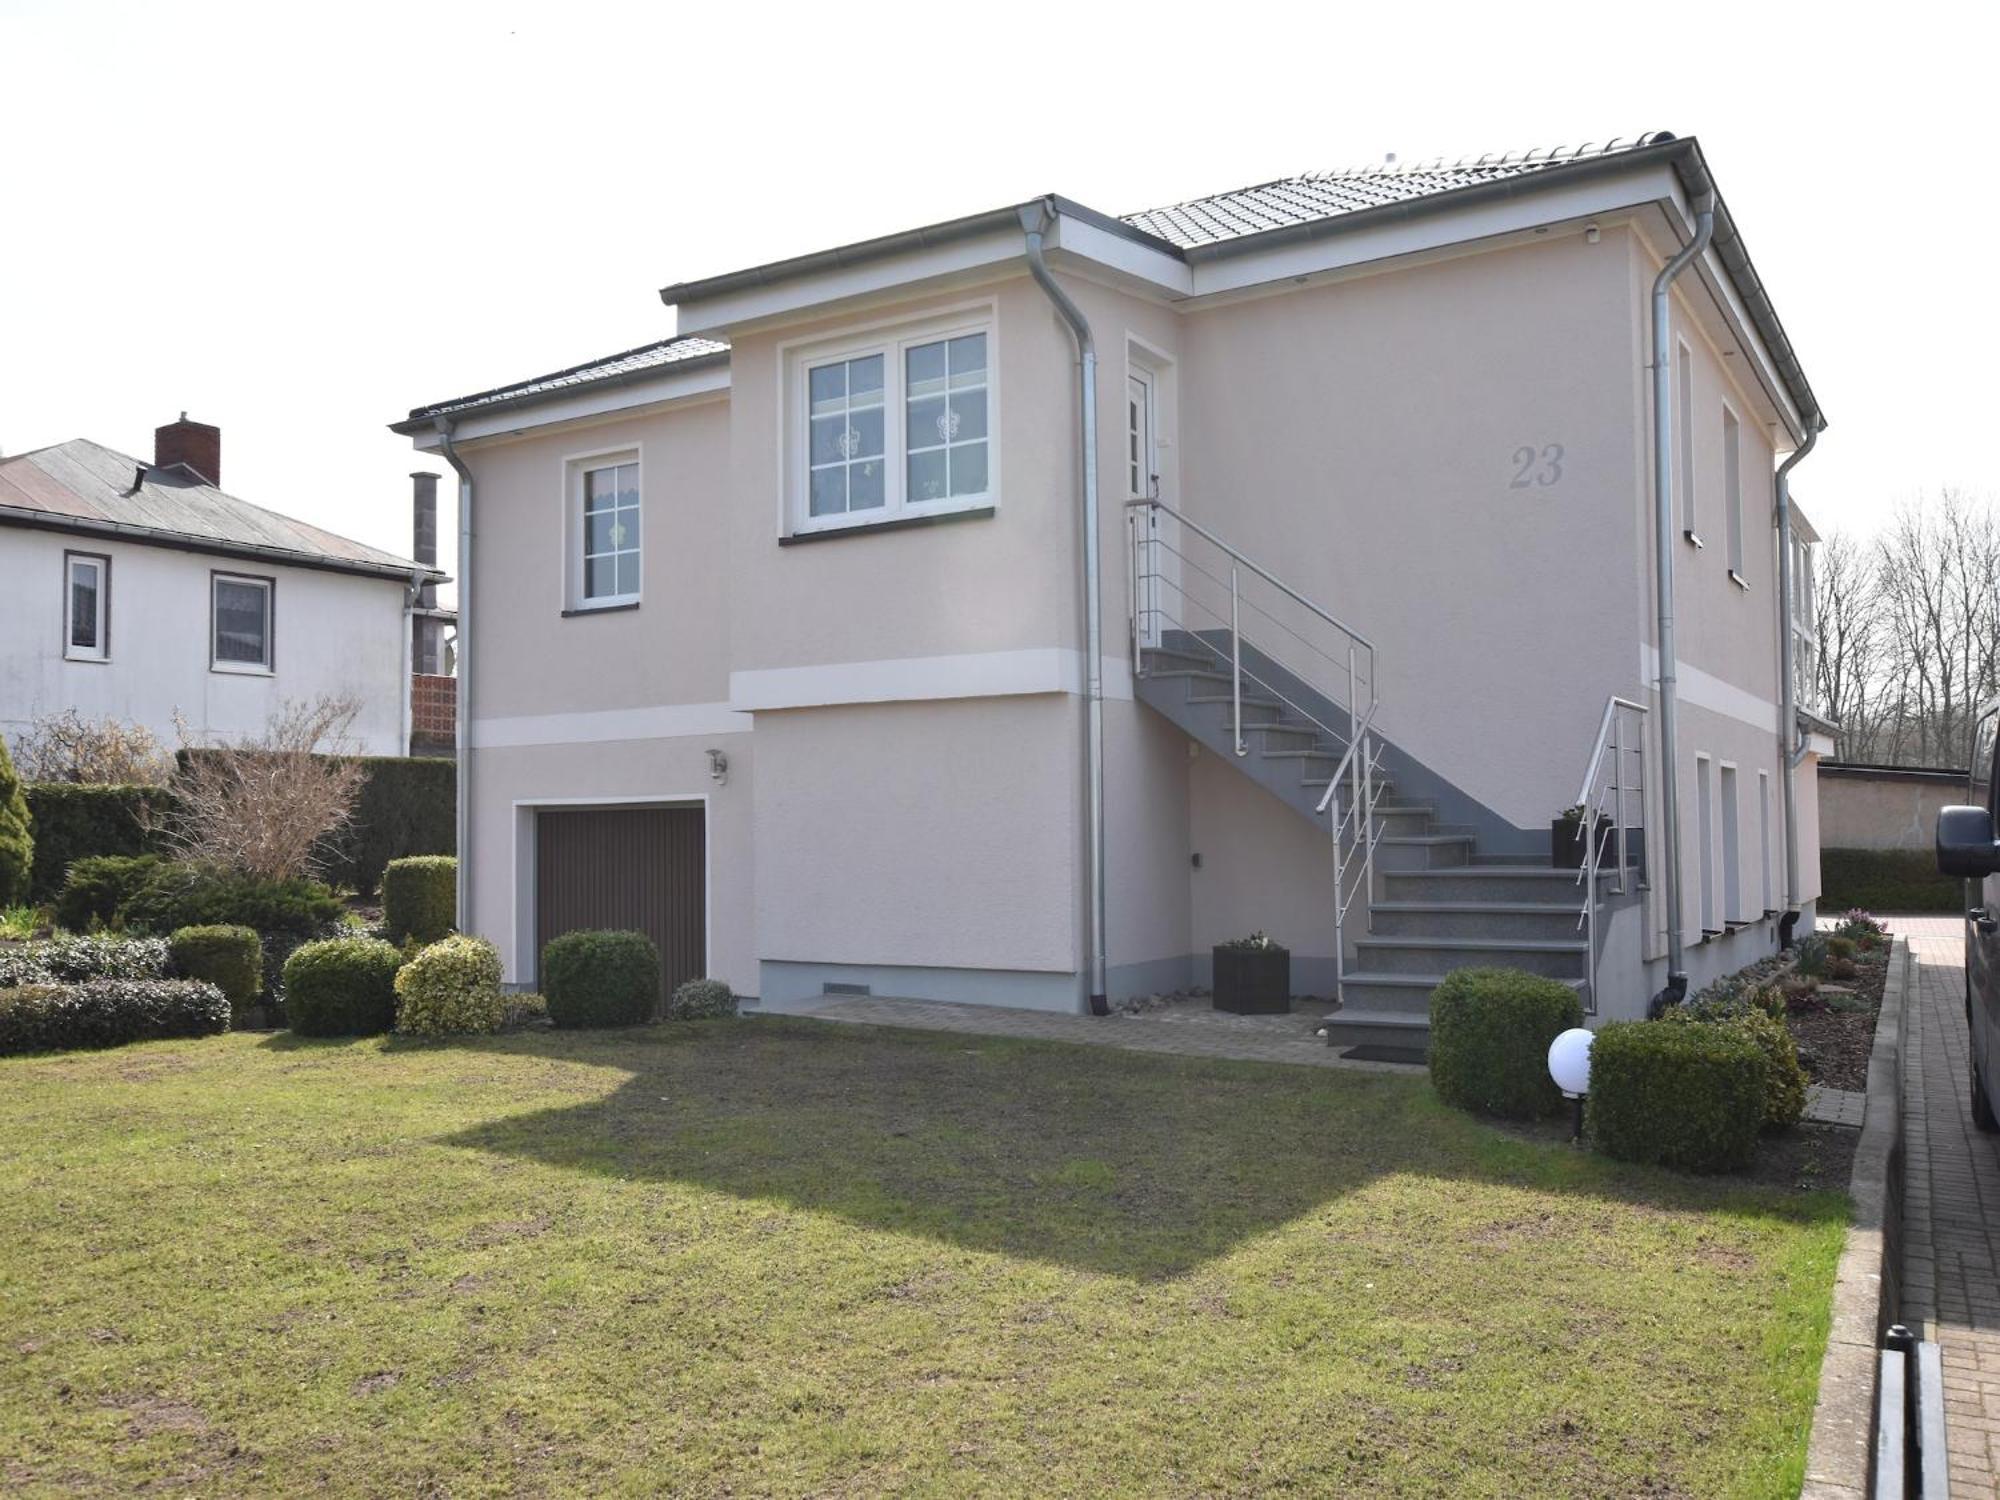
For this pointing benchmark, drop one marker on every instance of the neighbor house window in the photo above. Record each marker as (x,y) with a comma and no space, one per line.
(609,534)
(86,606)
(1732,491)
(901,428)
(241,615)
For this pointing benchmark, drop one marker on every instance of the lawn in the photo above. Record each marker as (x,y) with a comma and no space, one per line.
(788,1257)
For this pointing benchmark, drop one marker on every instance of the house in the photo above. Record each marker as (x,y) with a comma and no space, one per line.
(1008,610)
(144,592)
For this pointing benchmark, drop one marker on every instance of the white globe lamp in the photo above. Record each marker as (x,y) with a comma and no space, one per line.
(1569,1066)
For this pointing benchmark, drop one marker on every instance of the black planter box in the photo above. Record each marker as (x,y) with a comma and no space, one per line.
(1253,981)
(1566,849)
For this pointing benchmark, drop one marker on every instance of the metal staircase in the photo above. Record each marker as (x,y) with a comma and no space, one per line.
(1283,690)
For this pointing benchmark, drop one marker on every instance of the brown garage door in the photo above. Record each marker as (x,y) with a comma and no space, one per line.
(635,868)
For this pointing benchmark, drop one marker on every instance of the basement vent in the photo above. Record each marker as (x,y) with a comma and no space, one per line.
(845,989)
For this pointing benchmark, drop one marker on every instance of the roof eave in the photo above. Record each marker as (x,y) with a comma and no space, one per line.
(180,541)
(425,418)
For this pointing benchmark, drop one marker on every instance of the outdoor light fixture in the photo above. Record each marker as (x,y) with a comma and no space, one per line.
(1569,1066)
(718,767)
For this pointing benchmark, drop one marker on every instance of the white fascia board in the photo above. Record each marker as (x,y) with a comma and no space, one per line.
(1128,260)
(1427,233)
(984,674)
(621,400)
(894,274)
(1820,744)
(1742,328)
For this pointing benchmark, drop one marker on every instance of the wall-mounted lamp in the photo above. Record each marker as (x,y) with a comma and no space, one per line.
(718,767)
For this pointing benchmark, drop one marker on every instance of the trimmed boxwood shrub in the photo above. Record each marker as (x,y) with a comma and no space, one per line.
(700,999)
(341,987)
(1490,1035)
(69,957)
(601,978)
(108,1013)
(17,842)
(1904,880)
(420,897)
(452,988)
(230,958)
(100,887)
(74,822)
(408,805)
(1688,1096)
(1784,1078)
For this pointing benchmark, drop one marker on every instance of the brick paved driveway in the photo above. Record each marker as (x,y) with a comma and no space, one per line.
(1951,1245)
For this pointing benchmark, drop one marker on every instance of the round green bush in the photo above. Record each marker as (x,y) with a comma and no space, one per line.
(601,978)
(98,887)
(341,987)
(1680,1095)
(229,957)
(452,988)
(420,897)
(17,843)
(700,999)
(1490,1035)
(1784,1078)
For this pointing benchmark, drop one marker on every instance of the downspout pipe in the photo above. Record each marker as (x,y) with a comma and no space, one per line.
(462,717)
(1663,562)
(1791,743)
(1035,219)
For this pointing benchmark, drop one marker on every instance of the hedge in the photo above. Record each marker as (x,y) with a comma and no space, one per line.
(17,844)
(420,897)
(601,978)
(408,805)
(1688,1096)
(108,1013)
(229,957)
(1490,1035)
(342,987)
(73,822)
(452,988)
(1896,880)
(69,958)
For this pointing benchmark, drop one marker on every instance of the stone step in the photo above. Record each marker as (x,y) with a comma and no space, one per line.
(1473,919)
(1352,1026)
(1422,851)
(1557,958)
(1269,710)
(1390,994)
(1476,882)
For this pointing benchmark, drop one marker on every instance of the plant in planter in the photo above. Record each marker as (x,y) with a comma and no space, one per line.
(1253,976)
(1566,847)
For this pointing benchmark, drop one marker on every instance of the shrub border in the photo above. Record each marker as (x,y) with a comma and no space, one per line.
(1867,1284)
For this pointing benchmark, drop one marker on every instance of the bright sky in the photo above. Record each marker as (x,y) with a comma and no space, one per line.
(297,222)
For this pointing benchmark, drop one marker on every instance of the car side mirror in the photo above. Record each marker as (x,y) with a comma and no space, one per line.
(1965,843)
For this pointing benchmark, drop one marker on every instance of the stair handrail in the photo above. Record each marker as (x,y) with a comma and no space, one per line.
(1597,790)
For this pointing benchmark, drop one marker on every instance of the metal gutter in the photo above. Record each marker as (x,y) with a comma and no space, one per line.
(181,541)
(462,719)
(423,418)
(1034,220)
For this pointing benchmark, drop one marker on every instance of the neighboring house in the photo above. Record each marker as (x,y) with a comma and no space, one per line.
(780,641)
(145,593)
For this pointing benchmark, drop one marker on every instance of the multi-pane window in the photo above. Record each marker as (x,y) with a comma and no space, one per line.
(903,426)
(945,430)
(610,534)
(242,623)
(848,465)
(1732,490)
(86,606)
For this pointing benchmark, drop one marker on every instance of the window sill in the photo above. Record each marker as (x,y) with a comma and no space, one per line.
(88,661)
(1737,579)
(1695,541)
(599,609)
(224,671)
(897,523)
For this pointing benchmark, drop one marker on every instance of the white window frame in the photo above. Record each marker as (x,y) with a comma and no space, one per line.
(1732,493)
(1683,438)
(268,666)
(893,342)
(102,563)
(575,466)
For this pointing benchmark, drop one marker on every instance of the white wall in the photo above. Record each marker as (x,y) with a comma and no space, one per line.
(332,633)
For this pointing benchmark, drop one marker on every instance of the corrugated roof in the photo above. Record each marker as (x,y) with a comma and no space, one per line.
(85,486)
(1314,196)
(611,368)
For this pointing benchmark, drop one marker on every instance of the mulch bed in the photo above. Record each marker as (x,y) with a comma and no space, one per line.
(1834,1045)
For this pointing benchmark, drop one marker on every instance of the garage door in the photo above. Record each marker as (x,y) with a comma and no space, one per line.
(639,869)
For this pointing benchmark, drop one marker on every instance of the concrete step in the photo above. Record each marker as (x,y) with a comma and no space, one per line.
(1558,958)
(1423,851)
(1475,882)
(1293,734)
(1475,919)
(1167,658)
(1267,710)
(1389,994)
(1353,1026)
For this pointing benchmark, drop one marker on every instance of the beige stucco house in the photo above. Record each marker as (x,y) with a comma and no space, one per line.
(1009,610)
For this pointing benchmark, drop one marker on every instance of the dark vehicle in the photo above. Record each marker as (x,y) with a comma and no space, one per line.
(1967,845)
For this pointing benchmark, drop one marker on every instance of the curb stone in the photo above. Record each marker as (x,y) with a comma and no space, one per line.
(1866,1288)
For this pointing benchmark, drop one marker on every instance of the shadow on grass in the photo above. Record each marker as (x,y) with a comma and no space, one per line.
(1117,1162)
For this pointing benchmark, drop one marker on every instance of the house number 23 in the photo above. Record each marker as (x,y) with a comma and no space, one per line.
(1537,467)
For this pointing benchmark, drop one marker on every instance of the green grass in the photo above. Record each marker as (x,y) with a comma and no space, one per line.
(771,1257)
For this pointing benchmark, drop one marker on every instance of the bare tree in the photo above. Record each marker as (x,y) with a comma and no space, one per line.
(1846,665)
(263,806)
(100,752)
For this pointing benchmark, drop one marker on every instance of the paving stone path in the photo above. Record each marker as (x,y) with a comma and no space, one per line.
(1951,1206)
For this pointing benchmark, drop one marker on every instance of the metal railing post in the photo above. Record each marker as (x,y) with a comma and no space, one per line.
(1132,590)
(1618,793)
(1235,667)
(1339,906)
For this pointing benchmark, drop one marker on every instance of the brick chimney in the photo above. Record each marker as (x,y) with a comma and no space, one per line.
(426,632)
(424,518)
(195,444)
